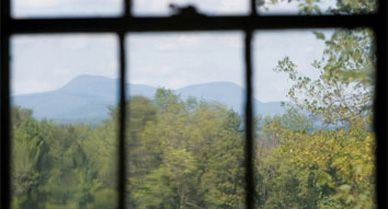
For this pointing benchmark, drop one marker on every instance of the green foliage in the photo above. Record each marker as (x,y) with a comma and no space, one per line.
(312,7)
(184,148)
(324,169)
(53,166)
(182,154)
(317,167)
(344,89)
(189,154)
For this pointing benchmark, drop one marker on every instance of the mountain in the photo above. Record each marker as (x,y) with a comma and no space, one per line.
(88,98)
(229,94)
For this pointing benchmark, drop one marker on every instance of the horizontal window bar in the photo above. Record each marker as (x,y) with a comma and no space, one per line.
(95,25)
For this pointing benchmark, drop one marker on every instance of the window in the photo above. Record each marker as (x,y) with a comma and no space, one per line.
(252,26)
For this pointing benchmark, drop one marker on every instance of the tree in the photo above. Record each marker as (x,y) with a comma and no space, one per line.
(59,166)
(344,89)
(29,154)
(311,7)
(194,156)
(325,168)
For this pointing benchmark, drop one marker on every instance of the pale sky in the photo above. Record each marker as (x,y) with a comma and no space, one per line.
(34,8)
(173,60)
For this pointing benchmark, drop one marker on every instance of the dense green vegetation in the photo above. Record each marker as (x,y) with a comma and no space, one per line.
(329,164)
(61,166)
(302,163)
(189,154)
(317,169)
(182,154)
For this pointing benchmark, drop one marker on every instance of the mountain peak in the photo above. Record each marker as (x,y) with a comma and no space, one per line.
(89,79)
(91,84)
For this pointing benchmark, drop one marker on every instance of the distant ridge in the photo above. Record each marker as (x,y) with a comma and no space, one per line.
(87,99)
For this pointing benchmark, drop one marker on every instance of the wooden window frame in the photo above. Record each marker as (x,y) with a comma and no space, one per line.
(127,23)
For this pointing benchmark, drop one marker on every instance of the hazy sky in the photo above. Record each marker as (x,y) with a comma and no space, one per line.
(28,8)
(46,62)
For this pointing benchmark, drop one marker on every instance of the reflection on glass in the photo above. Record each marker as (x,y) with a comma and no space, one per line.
(208,7)
(186,138)
(315,7)
(63,152)
(317,149)
(55,8)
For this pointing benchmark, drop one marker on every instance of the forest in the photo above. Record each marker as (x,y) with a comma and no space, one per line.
(189,154)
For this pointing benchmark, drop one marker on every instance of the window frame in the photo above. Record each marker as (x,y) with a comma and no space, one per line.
(248,24)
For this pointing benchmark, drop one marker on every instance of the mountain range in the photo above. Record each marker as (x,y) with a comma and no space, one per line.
(88,99)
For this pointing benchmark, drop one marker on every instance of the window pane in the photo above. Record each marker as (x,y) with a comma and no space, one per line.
(55,8)
(64,98)
(208,7)
(315,7)
(186,132)
(317,150)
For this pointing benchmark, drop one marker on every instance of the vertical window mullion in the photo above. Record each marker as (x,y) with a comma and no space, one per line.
(253,7)
(249,143)
(380,106)
(5,139)
(121,183)
(5,123)
(127,8)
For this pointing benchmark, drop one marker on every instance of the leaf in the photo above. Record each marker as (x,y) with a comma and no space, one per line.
(319,35)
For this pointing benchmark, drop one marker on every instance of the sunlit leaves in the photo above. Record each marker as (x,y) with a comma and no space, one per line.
(329,168)
(313,7)
(344,89)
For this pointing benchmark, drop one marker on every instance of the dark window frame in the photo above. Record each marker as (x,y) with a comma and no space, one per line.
(246,23)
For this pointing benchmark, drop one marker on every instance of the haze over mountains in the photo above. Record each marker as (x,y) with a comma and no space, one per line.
(88,99)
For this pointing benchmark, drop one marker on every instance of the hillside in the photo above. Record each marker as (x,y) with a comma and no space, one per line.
(88,98)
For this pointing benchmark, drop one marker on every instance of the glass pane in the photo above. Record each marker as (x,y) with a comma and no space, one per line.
(208,7)
(64,98)
(186,132)
(61,8)
(315,7)
(317,149)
